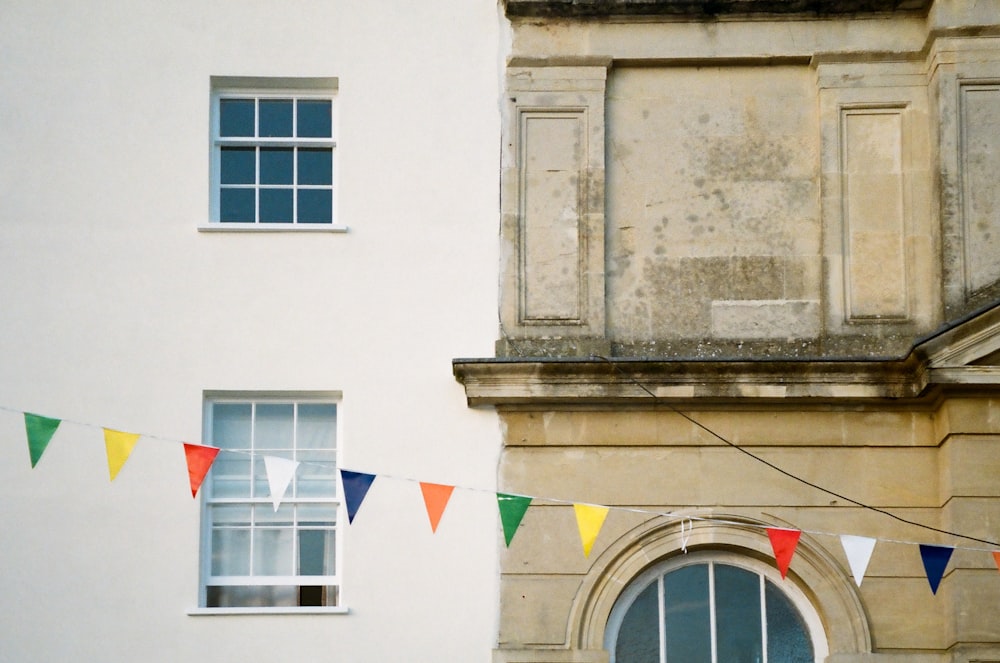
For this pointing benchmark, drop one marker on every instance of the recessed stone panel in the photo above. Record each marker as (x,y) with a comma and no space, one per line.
(980,163)
(552,163)
(874,223)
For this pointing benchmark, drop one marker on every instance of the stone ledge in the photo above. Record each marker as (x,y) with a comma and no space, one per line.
(596,381)
(707,8)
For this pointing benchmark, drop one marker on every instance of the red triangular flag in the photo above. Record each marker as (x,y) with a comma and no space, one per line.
(996,558)
(436,498)
(199,461)
(783,542)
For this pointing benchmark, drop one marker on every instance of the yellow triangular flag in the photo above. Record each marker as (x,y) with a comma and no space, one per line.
(119,446)
(589,520)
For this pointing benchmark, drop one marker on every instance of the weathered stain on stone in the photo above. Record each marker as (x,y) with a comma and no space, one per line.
(746,158)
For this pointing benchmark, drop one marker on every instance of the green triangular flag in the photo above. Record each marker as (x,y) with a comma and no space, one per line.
(512,508)
(40,430)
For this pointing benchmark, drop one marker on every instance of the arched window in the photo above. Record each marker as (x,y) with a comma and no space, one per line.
(714,608)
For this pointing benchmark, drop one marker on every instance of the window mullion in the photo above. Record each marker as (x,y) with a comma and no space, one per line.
(256,185)
(763,619)
(295,166)
(711,612)
(295,184)
(295,456)
(253,480)
(662,606)
(256,151)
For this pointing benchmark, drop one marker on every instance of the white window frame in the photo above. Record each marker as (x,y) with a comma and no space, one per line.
(206,578)
(229,87)
(655,574)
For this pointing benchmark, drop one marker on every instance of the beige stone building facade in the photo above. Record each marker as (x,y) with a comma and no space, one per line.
(750,266)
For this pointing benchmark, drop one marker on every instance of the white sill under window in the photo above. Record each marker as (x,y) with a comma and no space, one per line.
(318,610)
(230,227)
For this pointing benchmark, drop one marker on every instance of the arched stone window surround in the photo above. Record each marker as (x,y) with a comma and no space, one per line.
(815,573)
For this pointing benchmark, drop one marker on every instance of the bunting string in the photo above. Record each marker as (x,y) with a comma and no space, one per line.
(785,472)
(512,506)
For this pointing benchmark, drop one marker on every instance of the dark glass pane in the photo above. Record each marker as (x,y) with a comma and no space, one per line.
(312,552)
(639,635)
(317,596)
(737,614)
(275,117)
(315,166)
(315,206)
(687,617)
(310,596)
(275,205)
(276,165)
(236,205)
(236,117)
(787,639)
(238,165)
(314,119)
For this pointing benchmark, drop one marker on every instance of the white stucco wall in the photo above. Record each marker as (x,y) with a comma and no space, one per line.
(115,311)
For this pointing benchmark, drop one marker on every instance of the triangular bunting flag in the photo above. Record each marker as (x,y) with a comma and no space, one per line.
(279,474)
(935,560)
(512,508)
(356,485)
(996,558)
(783,543)
(436,498)
(40,430)
(119,446)
(859,552)
(589,520)
(199,460)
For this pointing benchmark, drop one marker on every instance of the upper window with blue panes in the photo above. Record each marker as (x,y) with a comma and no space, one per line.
(273,159)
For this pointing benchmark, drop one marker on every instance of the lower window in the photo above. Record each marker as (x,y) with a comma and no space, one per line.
(256,555)
(711,609)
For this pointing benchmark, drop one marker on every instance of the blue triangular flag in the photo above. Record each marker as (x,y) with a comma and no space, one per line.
(935,561)
(356,485)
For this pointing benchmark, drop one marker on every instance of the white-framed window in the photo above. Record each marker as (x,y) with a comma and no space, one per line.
(253,555)
(714,607)
(273,154)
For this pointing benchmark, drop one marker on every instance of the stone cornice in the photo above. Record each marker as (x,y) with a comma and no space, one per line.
(707,8)
(597,381)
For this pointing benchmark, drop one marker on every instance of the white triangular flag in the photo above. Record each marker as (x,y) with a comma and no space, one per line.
(859,552)
(279,474)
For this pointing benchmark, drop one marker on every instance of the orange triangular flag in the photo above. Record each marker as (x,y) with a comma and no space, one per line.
(119,446)
(199,461)
(996,558)
(783,542)
(436,498)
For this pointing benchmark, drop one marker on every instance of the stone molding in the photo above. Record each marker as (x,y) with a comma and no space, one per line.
(619,381)
(816,573)
(553,156)
(707,8)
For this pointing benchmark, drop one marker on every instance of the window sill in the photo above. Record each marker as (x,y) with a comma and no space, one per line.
(271,228)
(333,610)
